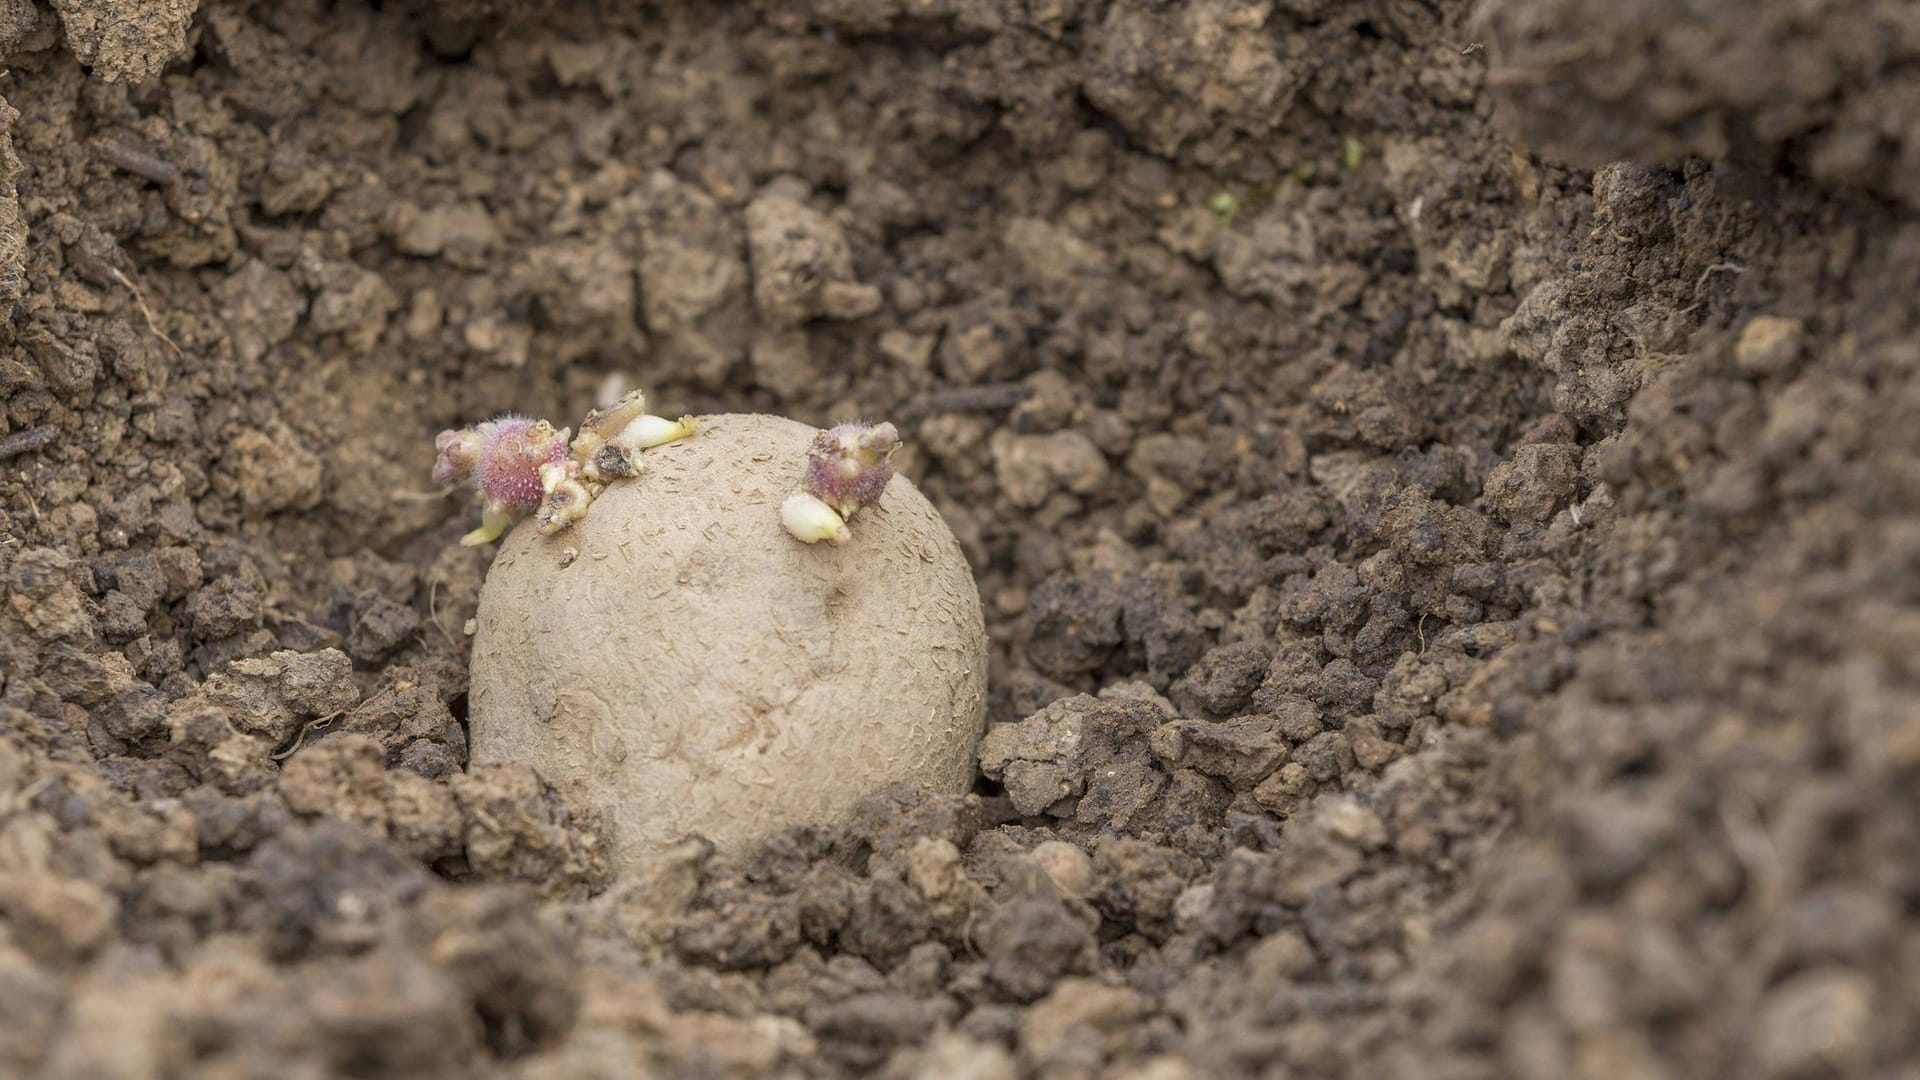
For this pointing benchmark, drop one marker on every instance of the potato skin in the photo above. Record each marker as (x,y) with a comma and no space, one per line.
(693,670)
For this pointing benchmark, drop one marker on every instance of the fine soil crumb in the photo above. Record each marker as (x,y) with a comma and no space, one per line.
(1440,478)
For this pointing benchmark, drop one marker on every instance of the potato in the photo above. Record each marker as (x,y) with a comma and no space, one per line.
(679,663)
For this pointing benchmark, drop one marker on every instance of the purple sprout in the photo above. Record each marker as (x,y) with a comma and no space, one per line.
(849,465)
(508,469)
(501,458)
(455,454)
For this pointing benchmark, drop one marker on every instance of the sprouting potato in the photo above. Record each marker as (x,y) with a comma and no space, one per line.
(691,670)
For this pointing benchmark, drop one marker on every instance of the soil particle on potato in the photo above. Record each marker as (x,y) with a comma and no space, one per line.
(1440,482)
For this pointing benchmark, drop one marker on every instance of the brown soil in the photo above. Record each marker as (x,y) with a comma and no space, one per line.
(1455,614)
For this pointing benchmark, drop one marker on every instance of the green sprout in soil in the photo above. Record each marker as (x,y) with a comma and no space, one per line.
(1353,153)
(1223,204)
(1227,203)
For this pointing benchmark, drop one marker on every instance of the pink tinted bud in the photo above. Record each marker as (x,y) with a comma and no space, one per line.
(849,465)
(507,470)
(455,454)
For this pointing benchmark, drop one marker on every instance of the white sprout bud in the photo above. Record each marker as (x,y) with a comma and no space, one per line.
(811,521)
(649,431)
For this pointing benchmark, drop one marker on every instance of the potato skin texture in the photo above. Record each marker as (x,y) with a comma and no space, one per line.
(693,670)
